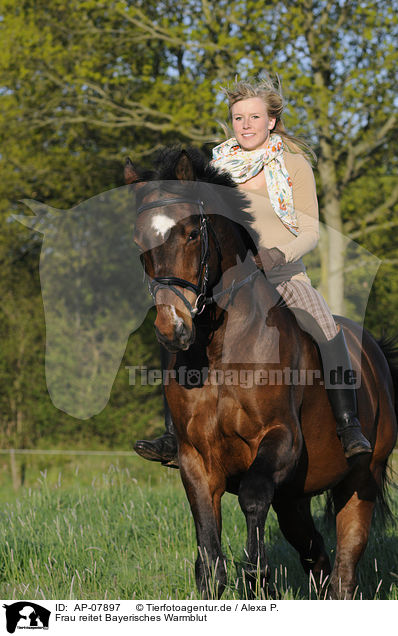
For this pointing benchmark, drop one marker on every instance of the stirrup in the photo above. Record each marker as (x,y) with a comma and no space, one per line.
(352,439)
(162,449)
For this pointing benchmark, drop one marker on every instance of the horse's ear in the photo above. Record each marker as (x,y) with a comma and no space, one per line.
(184,168)
(130,173)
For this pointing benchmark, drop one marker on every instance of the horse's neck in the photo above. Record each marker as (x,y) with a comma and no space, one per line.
(241,310)
(240,320)
(238,262)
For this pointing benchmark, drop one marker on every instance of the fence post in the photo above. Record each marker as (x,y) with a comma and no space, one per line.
(14,470)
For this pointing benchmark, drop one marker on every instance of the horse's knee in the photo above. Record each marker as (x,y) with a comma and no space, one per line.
(255,494)
(251,506)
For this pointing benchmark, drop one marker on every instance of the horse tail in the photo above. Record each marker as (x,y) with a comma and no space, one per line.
(389,347)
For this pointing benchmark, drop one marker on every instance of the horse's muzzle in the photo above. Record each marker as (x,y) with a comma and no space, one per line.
(172,331)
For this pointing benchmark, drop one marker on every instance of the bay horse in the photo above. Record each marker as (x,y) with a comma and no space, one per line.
(273,443)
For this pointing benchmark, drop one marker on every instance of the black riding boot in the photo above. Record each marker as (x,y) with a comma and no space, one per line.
(162,449)
(334,354)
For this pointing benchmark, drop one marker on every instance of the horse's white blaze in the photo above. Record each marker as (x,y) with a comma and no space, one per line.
(177,319)
(162,223)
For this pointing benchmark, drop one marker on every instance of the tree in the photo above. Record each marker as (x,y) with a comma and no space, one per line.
(348,61)
(153,71)
(86,83)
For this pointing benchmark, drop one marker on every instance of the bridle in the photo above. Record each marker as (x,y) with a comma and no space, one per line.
(201,287)
(172,282)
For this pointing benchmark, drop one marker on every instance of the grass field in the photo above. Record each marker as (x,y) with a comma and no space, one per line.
(91,529)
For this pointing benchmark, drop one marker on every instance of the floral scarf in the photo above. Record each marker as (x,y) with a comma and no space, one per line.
(244,164)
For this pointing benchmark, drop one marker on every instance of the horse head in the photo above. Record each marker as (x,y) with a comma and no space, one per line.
(187,243)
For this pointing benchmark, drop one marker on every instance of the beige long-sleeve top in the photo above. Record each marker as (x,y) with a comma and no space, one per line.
(273,233)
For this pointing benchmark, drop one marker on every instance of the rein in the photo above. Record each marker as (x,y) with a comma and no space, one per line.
(200,288)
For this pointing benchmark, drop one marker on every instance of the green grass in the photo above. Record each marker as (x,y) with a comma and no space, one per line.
(122,531)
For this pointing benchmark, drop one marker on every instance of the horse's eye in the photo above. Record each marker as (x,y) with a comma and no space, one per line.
(194,234)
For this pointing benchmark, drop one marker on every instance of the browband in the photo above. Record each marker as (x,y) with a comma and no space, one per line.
(161,202)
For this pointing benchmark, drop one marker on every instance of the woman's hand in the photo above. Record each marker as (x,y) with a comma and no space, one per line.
(270,258)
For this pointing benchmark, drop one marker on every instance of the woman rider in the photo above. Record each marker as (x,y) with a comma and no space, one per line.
(270,166)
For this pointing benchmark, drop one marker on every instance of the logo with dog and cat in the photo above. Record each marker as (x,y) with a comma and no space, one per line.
(26,615)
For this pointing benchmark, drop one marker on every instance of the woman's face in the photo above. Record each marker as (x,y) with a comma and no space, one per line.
(251,123)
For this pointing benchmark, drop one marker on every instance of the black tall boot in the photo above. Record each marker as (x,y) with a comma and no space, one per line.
(162,449)
(342,398)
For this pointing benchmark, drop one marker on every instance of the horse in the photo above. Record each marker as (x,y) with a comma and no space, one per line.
(272,443)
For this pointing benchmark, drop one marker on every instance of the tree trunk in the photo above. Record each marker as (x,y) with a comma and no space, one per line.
(336,257)
(334,227)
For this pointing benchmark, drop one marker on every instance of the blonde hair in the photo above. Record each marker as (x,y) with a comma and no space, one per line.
(271,94)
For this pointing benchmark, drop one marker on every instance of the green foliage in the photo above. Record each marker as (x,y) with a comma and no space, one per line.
(86,83)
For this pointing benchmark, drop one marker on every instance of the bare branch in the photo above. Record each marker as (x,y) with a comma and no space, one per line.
(195,135)
(373,228)
(344,12)
(325,16)
(359,154)
(154,31)
(144,23)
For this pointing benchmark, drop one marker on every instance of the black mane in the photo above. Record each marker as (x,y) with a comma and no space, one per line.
(233,201)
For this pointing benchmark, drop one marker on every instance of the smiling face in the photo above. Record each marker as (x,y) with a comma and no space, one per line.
(251,123)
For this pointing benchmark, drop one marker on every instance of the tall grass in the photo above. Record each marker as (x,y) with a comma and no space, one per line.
(124,530)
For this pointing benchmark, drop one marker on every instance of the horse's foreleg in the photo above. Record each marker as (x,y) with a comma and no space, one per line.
(255,495)
(297,525)
(274,461)
(204,493)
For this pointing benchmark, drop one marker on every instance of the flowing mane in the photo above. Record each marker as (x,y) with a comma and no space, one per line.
(226,198)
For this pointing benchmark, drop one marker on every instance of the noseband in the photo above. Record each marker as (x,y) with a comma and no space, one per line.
(172,282)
